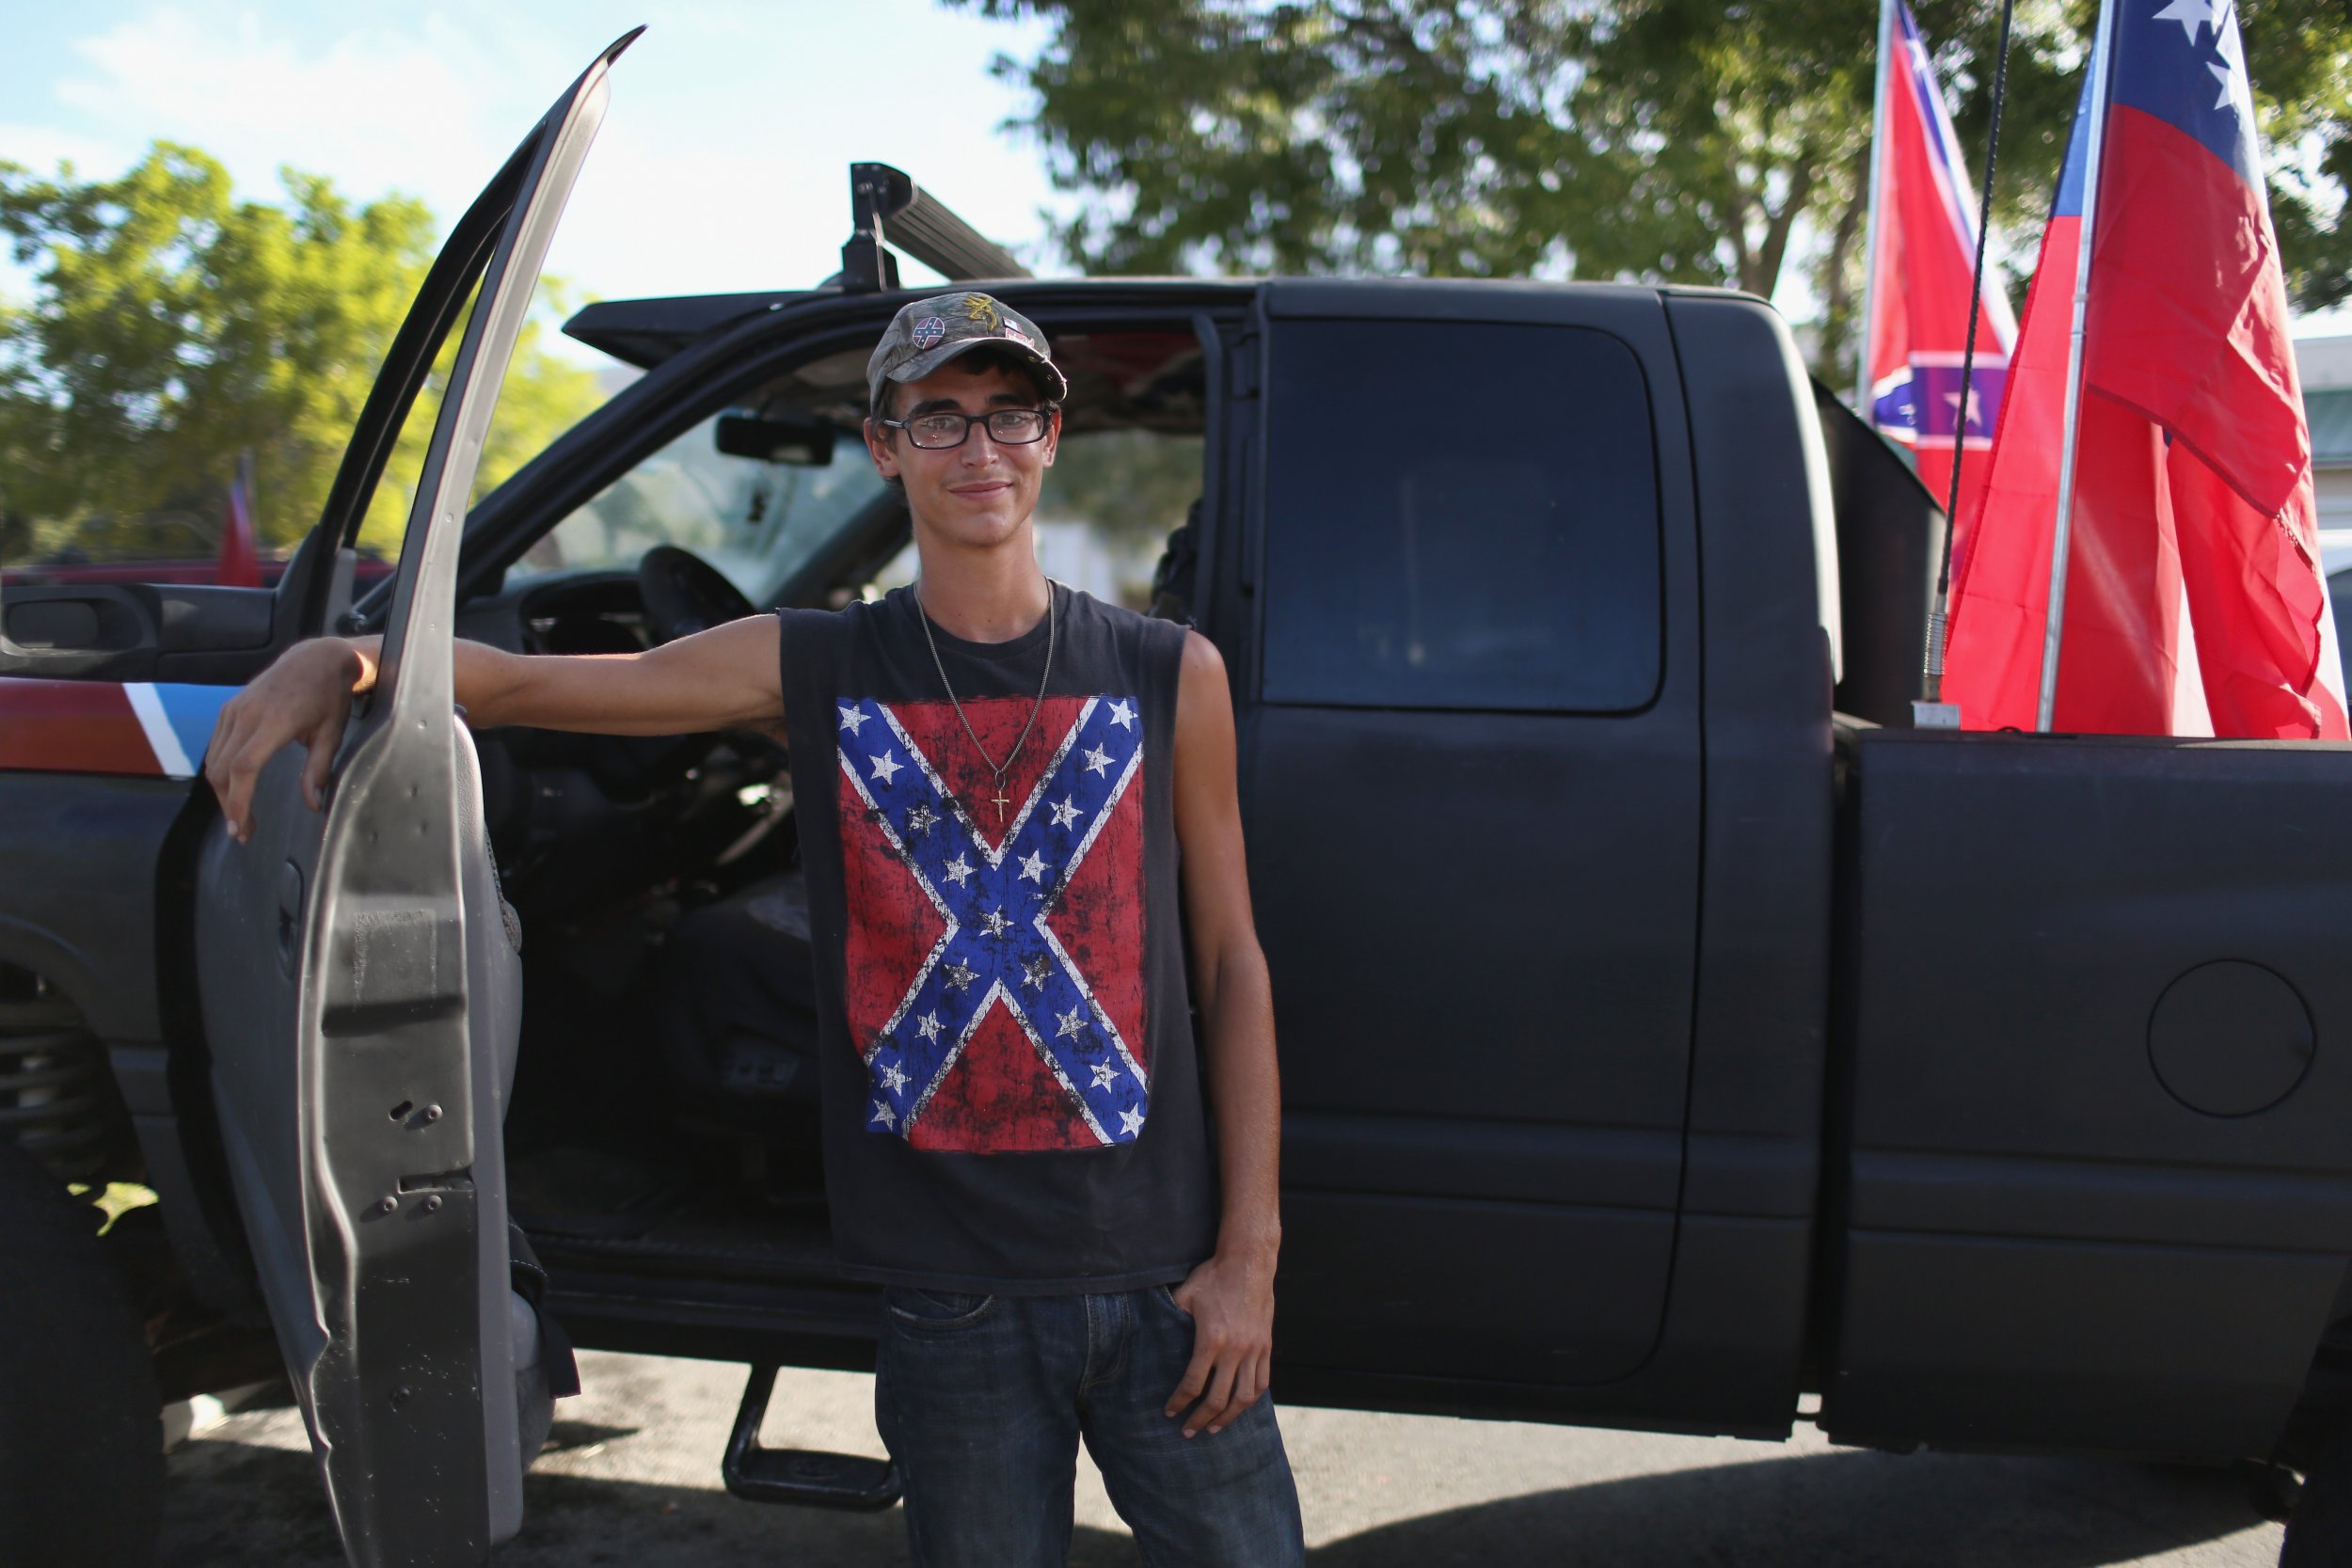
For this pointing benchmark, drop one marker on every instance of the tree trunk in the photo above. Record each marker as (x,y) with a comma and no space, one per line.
(1766,264)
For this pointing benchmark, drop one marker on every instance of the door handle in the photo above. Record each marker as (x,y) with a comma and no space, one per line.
(289,913)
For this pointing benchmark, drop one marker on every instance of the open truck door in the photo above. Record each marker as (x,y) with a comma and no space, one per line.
(360,987)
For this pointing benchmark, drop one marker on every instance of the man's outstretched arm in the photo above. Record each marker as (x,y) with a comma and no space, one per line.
(1230,1296)
(722,678)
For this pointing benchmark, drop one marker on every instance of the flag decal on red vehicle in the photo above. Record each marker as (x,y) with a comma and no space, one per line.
(994,951)
(155,730)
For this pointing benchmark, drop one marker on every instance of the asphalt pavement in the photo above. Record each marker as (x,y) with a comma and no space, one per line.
(630,1478)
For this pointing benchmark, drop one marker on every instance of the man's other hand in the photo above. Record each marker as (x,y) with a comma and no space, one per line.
(1230,1301)
(305,696)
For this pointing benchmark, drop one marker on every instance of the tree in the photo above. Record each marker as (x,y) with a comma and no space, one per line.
(173,327)
(1699,141)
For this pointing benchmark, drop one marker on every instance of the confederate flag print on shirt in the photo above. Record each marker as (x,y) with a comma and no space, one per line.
(995,939)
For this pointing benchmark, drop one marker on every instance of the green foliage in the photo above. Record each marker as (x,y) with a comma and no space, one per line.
(173,327)
(1339,135)
(542,397)
(1131,487)
(1703,141)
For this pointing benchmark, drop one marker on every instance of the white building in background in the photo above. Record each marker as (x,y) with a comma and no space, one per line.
(1070,550)
(2325,365)
(1073,550)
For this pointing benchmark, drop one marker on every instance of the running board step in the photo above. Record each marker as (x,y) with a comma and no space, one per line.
(799,1476)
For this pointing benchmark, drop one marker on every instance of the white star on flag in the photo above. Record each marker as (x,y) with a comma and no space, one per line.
(1121,715)
(1976,410)
(1071,1021)
(958,869)
(1104,1075)
(1097,759)
(887,766)
(851,720)
(995,923)
(929,1029)
(2236,96)
(883,1113)
(1064,813)
(1131,1122)
(892,1076)
(2190,14)
(1033,867)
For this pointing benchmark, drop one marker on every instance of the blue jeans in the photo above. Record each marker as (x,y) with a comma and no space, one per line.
(982,1400)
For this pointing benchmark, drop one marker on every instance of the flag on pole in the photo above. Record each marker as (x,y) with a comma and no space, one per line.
(1923,248)
(2192,593)
(239,553)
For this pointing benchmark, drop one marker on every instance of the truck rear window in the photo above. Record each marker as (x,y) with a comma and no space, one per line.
(1459,515)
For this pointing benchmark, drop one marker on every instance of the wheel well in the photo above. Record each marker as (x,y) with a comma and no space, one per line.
(58,1098)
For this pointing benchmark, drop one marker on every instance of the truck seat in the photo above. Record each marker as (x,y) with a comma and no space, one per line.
(735,1002)
(1172,589)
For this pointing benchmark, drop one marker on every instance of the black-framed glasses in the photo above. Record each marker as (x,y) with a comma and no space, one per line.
(1007,427)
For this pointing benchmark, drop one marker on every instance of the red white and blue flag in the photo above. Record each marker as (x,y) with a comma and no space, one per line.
(2194,598)
(240,548)
(995,952)
(1923,249)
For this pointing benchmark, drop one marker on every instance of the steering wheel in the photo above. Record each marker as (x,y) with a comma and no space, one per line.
(684,594)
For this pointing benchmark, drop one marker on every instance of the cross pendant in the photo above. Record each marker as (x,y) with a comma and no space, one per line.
(1001,802)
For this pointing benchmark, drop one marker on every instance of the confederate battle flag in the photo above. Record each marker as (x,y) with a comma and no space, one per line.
(2193,586)
(1923,247)
(994,957)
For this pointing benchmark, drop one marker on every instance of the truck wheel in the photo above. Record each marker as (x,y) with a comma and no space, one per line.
(2319,1532)
(81,1428)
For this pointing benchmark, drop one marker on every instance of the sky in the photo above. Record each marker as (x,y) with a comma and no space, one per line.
(723,159)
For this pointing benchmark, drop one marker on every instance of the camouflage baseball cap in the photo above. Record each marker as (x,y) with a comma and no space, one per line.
(927,334)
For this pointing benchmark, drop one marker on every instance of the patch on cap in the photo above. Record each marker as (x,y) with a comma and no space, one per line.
(982,309)
(1019,337)
(928,331)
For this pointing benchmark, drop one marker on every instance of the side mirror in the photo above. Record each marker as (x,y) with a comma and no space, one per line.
(805,443)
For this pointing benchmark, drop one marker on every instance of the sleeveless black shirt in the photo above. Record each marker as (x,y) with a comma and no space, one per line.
(1011,1100)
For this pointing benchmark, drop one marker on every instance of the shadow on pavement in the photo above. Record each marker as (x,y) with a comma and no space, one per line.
(232,1505)
(1842,1510)
(235,1505)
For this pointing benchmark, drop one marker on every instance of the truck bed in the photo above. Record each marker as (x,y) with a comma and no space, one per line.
(2091,1099)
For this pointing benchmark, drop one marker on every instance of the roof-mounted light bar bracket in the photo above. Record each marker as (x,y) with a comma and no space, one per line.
(886,209)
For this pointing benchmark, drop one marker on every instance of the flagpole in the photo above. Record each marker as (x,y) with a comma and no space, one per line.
(2054,624)
(1930,711)
(1870,206)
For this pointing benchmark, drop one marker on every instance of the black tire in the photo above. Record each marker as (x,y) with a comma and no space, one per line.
(2319,1532)
(81,1422)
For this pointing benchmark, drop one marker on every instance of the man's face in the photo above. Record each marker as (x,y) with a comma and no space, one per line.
(983,491)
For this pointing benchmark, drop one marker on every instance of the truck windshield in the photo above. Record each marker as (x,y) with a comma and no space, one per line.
(757,521)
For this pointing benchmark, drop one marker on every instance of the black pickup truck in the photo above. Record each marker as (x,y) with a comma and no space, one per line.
(1663,1039)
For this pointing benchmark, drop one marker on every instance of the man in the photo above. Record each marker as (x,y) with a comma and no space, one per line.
(1001,784)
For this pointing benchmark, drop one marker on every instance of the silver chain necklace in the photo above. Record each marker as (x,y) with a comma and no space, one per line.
(997,769)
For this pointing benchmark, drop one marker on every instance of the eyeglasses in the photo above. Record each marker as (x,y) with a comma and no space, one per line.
(1008,427)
